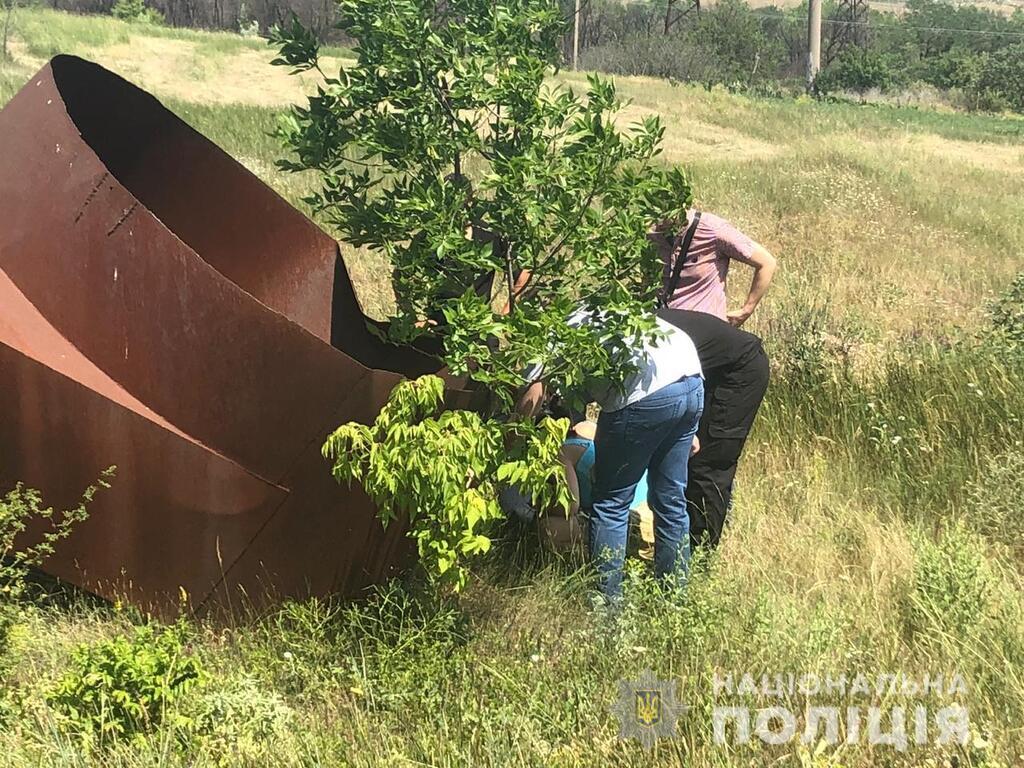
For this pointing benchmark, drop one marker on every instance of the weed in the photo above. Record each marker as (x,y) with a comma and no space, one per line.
(119,688)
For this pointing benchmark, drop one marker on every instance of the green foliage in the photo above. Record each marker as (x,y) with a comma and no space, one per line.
(22,508)
(441,93)
(405,640)
(445,92)
(992,81)
(136,11)
(1006,317)
(1002,75)
(441,471)
(936,27)
(116,689)
(858,70)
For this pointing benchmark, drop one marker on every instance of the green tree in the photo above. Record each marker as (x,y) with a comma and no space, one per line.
(448,122)
(1002,76)
(453,90)
(135,11)
(858,70)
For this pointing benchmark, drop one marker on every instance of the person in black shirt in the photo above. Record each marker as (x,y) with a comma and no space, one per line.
(736,377)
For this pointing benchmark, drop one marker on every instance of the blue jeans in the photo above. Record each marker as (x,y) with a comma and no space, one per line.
(653,435)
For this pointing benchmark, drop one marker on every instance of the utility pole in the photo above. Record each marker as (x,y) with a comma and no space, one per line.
(813,43)
(576,37)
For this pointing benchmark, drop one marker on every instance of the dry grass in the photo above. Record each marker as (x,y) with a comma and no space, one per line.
(892,227)
(198,67)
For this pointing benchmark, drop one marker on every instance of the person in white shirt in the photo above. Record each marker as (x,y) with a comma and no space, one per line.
(646,426)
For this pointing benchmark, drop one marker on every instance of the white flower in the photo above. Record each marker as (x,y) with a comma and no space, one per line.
(287,655)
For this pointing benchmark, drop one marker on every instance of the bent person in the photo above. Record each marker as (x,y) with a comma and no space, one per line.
(736,375)
(696,255)
(648,425)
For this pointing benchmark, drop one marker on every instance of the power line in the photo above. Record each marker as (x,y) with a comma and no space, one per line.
(871,25)
(866,24)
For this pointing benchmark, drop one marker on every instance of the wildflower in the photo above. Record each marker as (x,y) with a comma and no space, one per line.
(287,656)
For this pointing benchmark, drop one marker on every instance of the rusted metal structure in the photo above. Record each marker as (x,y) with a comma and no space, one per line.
(164,311)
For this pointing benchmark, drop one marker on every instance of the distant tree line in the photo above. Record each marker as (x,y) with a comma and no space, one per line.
(974,54)
(231,15)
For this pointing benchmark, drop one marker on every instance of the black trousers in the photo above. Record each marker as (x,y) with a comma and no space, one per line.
(731,402)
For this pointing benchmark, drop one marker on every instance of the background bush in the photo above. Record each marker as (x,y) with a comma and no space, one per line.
(859,70)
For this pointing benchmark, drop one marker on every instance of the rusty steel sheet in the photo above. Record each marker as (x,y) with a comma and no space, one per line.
(164,311)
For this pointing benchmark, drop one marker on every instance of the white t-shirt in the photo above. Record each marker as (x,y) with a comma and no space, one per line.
(657,366)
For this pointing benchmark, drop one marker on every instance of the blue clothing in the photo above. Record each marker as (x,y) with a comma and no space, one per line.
(584,469)
(585,475)
(653,434)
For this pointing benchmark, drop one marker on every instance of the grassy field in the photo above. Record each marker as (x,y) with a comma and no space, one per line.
(877,527)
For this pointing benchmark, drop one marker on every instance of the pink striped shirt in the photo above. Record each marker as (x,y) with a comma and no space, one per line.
(701,284)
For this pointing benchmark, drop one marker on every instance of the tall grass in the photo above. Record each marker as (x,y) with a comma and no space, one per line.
(877,519)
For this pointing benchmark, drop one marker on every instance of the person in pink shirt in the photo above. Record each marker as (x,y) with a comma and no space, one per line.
(702,275)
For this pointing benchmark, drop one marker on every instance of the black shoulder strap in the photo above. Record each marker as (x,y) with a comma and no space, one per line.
(684,252)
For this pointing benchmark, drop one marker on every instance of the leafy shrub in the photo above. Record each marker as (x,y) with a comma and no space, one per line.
(858,70)
(1002,74)
(441,470)
(127,685)
(988,81)
(134,11)
(952,586)
(1006,318)
(20,508)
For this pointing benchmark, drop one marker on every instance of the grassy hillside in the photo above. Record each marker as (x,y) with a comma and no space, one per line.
(877,527)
